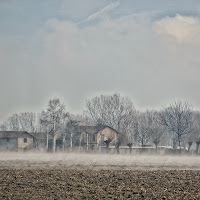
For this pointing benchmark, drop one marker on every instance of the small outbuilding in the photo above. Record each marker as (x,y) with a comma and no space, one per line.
(15,141)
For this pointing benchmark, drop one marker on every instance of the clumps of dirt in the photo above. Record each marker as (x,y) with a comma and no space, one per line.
(102,184)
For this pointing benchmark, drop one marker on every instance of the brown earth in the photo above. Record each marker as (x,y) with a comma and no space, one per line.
(98,184)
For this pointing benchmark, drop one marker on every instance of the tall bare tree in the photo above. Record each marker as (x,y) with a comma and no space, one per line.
(114,111)
(156,131)
(26,121)
(130,139)
(177,117)
(142,129)
(195,133)
(71,129)
(131,136)
(53,117)
(13,123)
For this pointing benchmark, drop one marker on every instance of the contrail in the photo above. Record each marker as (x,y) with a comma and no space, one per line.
(101,12)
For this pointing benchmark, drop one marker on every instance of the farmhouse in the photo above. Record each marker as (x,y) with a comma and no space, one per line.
(94,137)
(15,141)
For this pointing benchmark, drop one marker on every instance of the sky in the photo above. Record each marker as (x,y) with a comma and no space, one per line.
(75,50)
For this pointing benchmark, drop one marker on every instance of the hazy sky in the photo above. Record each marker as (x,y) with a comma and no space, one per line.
(75,49)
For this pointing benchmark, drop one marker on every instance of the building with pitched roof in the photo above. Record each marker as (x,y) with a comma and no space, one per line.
(15,141)
(95,137)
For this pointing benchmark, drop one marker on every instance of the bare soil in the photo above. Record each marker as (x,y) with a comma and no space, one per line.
(98,184)
(75,176)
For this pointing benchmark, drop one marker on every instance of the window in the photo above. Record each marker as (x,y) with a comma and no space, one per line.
(93,138)
(7,139)
(25,140)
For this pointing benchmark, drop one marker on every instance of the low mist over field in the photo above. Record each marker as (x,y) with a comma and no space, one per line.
(97,161)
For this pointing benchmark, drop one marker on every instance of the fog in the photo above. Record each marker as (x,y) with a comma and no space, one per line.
(64,161)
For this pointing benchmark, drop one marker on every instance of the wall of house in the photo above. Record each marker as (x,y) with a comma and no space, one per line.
(25,143)
(8,144)
(106,133)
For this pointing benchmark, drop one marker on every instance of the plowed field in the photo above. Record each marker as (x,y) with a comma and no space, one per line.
(35,176)
(101,184)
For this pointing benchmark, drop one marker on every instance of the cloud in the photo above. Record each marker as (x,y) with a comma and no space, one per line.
(135,56)
(182,29)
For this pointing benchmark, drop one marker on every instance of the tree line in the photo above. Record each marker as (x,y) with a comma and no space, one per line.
(176,124)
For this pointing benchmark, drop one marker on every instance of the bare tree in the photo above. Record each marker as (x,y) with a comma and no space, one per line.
(3,127)
(130,136)
(13,123)
(177,117)
(130,143)
(114,111)
(26,121)
(72,129)
(190,140)
(54,117)
(45,127)
(195,133)
(107,142)
(142,129)
(155,129)
(79,120)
